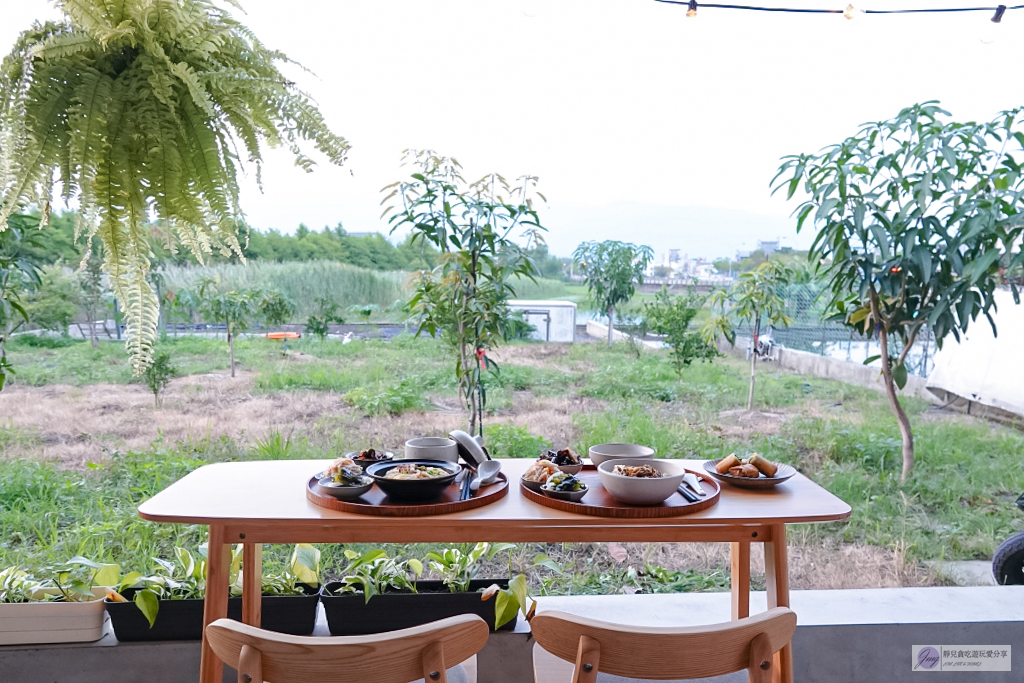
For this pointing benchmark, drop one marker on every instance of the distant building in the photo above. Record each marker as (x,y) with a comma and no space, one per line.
(742,254)
(768,247)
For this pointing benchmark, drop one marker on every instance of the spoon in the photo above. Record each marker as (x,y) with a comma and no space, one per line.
(486,474)
(691,481)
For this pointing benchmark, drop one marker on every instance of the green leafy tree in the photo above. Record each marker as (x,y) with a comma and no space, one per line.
(19,275)
(671,316)
(143,112)
(52,305)
(612,270)
(234,309)
(465,297)
(916,218)
(319,324)
(275,308)
(92,293)
(159,374)
(756,298)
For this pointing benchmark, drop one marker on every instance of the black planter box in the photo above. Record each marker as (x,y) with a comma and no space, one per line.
(349,614)
(183,619)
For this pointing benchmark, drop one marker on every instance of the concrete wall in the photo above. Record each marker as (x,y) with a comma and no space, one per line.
(599,331)
(806,363)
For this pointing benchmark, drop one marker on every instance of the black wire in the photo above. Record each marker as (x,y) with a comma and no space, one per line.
(840,11)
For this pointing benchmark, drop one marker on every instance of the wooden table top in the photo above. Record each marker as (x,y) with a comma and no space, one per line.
(269,497)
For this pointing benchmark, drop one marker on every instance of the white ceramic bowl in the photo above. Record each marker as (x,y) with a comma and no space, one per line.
(432,448)
(613,451)
(637,491)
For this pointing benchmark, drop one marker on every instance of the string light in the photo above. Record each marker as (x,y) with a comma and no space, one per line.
(850,12)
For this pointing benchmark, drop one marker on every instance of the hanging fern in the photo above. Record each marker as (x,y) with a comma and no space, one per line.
(144,111)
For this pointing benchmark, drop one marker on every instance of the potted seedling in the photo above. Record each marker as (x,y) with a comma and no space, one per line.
(168,605)
(380,594)
(66,608)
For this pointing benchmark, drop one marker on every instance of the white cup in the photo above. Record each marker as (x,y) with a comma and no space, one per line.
(432,448)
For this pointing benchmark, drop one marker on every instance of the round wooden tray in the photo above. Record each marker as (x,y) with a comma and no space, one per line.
(374,502)
(599,503)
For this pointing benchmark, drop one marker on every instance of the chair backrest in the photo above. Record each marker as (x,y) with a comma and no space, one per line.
(666,653)
(393,657)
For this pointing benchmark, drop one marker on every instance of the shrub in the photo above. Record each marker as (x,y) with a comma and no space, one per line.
(159,374)
(390,400)
(511,441)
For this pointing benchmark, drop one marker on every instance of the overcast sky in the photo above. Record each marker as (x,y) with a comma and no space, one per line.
(643,124)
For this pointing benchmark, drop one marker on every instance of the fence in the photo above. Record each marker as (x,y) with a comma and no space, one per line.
(805,304)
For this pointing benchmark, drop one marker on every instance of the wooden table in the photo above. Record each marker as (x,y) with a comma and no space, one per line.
(265,502)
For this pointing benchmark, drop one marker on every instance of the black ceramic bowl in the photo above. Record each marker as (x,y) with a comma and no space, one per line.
(414,490)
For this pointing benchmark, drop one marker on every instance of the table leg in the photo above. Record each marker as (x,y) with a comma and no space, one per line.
(776,570)
(218,563)
(252,583)
(740,565)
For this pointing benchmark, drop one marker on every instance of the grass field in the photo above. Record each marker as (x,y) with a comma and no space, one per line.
(82,445)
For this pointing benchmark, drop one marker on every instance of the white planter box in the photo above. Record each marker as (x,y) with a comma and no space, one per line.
(52,622)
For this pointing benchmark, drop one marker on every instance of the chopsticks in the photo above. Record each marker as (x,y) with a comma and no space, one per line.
(687,493)
(467,479)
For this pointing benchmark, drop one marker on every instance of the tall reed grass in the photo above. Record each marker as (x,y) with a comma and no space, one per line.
(303,282)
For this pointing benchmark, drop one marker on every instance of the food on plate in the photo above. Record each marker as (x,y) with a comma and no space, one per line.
(404,472)
(371,454)
(540,471)
(727,463)
(638,471)
(765,467)
(560,481)
(564,456)
(748,471)
(345,471)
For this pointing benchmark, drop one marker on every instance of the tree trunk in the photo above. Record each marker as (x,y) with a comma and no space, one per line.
(231,349)
(611,323)
(897,407)
(753,363)
(156,400)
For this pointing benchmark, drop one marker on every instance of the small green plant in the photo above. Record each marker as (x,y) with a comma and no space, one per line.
(319,323)
(74,580)
(159,374)
(17,586)
(390,400)
(274,307)
(275,446)
(458,566)
(671,316)
(512,441)
(374,573)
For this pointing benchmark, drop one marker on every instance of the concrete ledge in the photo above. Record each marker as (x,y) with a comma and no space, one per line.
(843,636)
(599,331)
(806,363)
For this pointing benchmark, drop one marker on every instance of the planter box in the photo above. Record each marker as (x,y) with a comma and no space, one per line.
(51,622)
(183,619)
(349,613)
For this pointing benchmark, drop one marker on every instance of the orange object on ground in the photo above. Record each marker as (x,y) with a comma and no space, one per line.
(278,336)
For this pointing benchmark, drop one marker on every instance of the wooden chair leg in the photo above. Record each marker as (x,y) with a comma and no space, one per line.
(250,665)
(759,670)
(740,570)
(588,659)
(433,664)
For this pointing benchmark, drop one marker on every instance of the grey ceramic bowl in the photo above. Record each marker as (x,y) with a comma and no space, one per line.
(532,485)
(432,448)
(574,496)
(641,491)
(344,491)
(612,451)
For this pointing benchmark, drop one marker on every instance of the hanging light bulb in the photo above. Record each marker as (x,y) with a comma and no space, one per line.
(692,11)
(850,12)
(1000,10)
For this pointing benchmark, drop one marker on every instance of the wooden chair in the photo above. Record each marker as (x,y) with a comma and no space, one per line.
(666,653)
(393,657)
